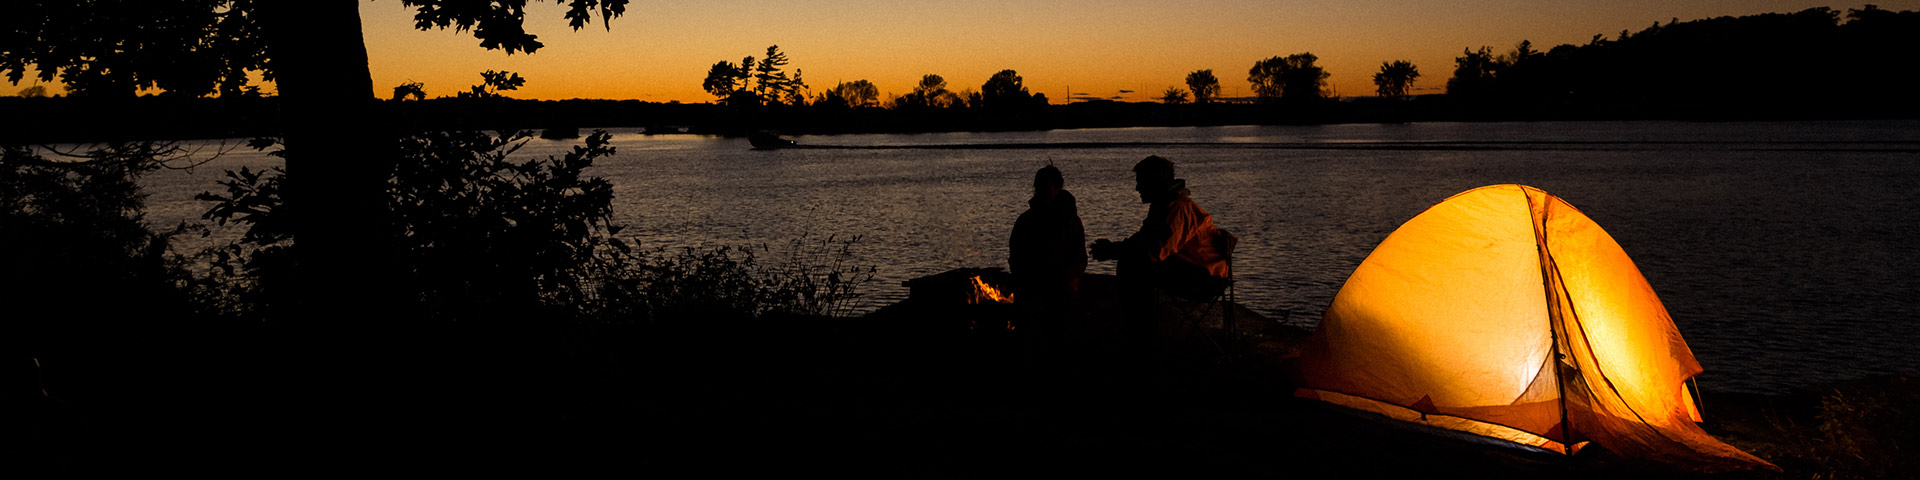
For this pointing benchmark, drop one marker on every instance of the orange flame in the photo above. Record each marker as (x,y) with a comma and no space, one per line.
(984,293)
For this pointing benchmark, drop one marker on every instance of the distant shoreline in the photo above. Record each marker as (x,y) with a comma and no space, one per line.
(50,120)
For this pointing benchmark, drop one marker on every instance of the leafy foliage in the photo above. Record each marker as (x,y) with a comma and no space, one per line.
(1395,78)
(1204,86)
(497,23)
(768,77)
(201,47)
(1173,96)
(478,231)
(1474,73)
(1716,68)
(473,234)
(816,278)
(1005,91)
(249,279)
(931,92)
(1292,78)
(854,94)
(413,89)
(477,237)
(78,265)
(117,48)
(725,78)
(492,83)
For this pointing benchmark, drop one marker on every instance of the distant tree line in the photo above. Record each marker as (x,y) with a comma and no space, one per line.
(754,83)
(1816,63)
(1808,64)
(1776,65)
(763,98)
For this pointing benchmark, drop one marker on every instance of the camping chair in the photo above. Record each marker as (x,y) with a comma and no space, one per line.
(1204,296)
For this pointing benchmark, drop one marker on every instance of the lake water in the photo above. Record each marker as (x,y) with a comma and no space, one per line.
(1784,251)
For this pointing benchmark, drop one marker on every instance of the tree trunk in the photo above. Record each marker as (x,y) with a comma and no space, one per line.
(338,155)
(343,362)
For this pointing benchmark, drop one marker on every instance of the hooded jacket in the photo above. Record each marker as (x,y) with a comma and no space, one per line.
(1048,246)
(1178,228)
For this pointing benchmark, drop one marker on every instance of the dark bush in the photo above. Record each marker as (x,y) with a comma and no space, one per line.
(480,238)
(76,258)
(816,278)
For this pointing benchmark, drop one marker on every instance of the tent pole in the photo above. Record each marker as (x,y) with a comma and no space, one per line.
(1553,327)
(1699,406)
(1566,427)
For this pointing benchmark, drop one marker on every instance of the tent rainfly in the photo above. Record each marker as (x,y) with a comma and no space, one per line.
(1505,312)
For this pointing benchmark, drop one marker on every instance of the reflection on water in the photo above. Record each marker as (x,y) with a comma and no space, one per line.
(1782,250)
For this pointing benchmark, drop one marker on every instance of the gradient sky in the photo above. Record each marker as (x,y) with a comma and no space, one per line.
(661,50)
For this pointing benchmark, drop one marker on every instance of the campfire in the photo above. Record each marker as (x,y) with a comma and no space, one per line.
(962,286)
(979,299)
(984,293)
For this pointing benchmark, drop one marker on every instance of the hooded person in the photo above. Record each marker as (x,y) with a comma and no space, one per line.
(1174,248)
(1047,256)
(1046,253)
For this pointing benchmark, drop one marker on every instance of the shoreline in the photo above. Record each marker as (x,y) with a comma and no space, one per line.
(60,120)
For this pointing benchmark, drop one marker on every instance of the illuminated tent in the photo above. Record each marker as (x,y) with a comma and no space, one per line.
(1455,321)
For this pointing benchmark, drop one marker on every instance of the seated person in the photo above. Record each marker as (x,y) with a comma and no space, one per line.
(1175,249)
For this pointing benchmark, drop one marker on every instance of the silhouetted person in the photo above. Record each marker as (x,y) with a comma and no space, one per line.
(1047,257)
(1173,253)
(1175,245)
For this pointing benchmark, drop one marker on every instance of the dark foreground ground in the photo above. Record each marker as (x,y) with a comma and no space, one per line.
(915,390)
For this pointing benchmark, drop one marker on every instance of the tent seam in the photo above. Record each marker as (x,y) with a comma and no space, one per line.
(1571,308)
(1544,259)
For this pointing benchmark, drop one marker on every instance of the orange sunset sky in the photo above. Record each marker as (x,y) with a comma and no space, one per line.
(661,50)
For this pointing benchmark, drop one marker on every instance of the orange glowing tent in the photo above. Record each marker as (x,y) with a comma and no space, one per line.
(1456,321)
